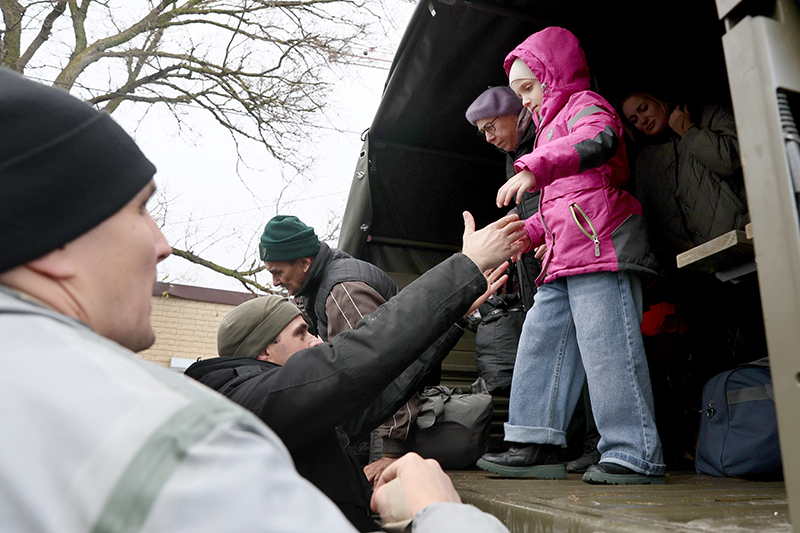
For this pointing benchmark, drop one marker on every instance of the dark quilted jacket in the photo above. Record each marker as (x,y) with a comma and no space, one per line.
(330,267)
(530,267)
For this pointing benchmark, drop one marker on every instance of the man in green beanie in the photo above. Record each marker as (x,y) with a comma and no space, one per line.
(337,291)
(98,439)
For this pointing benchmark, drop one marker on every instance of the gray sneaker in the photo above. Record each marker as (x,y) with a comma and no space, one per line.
(614,474)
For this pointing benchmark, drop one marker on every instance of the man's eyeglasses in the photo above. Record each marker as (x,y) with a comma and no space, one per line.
(487,128)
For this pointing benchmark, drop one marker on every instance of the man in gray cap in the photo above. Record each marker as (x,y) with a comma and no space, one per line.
(94,438)
(321,399)
(268,329)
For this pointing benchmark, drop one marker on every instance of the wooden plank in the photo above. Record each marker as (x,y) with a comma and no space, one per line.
(688,502)
(748,230)
(720,253)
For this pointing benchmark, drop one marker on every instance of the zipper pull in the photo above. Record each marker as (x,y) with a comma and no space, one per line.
(596,246)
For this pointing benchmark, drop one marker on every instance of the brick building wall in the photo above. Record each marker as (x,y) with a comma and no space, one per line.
(186,320)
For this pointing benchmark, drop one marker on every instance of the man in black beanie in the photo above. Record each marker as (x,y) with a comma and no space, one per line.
(96,439)
(73,189)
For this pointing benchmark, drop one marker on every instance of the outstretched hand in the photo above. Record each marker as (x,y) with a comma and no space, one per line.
(423,482)
(495,279)
(493,244)
(515,187)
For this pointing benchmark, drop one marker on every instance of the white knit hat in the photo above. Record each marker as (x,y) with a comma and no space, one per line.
(519,70)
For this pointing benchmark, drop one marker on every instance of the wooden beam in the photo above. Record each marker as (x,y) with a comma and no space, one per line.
(720,253)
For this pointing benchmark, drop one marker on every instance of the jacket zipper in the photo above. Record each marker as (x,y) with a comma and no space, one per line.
(548,256)
(593,236)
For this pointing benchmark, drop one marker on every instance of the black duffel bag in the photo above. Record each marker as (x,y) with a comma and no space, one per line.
(453,427)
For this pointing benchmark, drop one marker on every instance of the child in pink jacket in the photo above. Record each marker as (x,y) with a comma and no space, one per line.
(586,316)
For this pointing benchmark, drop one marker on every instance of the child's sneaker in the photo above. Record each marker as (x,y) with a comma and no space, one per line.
(614,474)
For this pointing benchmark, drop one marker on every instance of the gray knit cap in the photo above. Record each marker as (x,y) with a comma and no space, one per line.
(250,327)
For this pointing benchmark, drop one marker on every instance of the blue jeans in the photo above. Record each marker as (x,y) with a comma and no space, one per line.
(586,326)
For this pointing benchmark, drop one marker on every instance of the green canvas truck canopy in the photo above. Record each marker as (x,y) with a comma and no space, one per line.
(422,163)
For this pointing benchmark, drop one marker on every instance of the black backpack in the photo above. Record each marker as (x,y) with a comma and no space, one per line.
(496,339)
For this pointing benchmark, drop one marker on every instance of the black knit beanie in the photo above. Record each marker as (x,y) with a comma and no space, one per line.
(64,168)
(286,238)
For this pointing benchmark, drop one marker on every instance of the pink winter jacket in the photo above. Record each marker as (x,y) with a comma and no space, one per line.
(579,161)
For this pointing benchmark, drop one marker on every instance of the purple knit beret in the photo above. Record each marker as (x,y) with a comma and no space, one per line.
(493,102)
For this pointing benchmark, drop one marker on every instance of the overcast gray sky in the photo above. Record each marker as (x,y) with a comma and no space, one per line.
(218,215)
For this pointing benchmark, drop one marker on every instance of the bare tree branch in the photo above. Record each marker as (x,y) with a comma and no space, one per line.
(13,12)
(255,66)
(248,283)
(44,34)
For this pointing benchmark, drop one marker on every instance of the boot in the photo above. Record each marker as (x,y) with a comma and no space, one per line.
(540,461)
(591,456)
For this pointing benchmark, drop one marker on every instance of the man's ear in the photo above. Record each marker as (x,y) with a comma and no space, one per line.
(264,354)
(57,264)
(305,262)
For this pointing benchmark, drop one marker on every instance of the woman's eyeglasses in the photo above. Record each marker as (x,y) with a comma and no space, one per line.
(487,128)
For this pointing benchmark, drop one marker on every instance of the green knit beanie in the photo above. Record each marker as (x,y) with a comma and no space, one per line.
(286,238)
(250,327)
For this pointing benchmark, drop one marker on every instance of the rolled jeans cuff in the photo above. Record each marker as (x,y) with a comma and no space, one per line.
(529,435)
(634,463)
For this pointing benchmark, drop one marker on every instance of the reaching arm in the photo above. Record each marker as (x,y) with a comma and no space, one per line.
(325,386)
(402,388)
